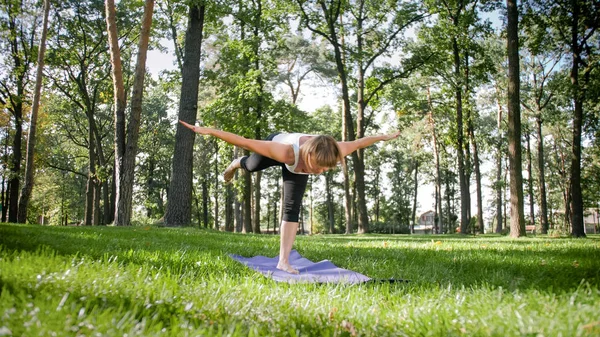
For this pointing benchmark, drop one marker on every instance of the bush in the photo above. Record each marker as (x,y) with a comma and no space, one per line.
(388,228)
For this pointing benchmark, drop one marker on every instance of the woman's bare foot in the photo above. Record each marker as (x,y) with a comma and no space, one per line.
(286,267)
(230,170)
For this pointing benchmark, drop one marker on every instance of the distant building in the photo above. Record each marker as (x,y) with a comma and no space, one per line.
(591,221)
(426,223)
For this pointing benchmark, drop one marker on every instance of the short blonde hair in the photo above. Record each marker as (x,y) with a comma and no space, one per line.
(324,150)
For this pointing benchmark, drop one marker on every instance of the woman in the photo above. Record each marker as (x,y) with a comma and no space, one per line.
(298,155)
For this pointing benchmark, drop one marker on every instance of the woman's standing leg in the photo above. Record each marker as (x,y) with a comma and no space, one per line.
(294,186)
(287,232)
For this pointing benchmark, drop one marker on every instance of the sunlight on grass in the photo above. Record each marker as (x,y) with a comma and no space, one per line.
(156,281)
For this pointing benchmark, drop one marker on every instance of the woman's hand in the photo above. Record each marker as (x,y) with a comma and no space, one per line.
(390,136)
(196,129)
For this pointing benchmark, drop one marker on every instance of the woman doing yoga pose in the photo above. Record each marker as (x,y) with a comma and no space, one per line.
(298,155)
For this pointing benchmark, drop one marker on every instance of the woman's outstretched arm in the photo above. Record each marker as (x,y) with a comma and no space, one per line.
(280,152)
(349,147)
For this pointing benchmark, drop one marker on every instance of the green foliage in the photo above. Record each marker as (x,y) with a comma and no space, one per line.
(155,152)
(143,281)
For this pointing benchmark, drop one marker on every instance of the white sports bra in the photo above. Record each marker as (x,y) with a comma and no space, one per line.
(294,140)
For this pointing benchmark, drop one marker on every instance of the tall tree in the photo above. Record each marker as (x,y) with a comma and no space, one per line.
(517,216)
(452,37)
(585,20)
(573,25)
(156,146)
(29,164)
(126,141)
(498,184)
(364,22)
(372,41)
(20,23)
(328,29)
(79,69)
(179,201)
(541,62)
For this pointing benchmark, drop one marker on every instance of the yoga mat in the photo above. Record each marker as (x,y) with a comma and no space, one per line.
(310,272)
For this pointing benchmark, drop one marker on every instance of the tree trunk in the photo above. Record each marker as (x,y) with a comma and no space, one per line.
(359,187)
(276,215)
(126,156)
(127,179)
(542,178)
(4,196)
(438,186)
(216,194)
(258,109)
(358,158)
(119,94)
(180,193)
(4,199)
(247,200)
(436,155)
(14,103)
(498,185)
(517,218)
(237,205)
(347,122)
(530,181)
(229,226)
(476,163)
(257,197)
(205,202)
(450,222)
(377,193)
(150,186)
(414,207)
(197,204)
(113,195)
(97,196)
(330,209)
(15,170)
(462,176)
(91,184)
(31,139)
(577,227)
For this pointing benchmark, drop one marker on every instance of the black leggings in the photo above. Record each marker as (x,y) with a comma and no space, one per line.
(294,185)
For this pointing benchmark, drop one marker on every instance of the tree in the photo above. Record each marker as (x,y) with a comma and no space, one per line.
(585,20)
(572,26)
(364,21)
(18,24)
(126,148)
(517,217)
(78,68)
(541,62)
(29,176)
(454,38)
(61,163)
(179,201)
(155,151)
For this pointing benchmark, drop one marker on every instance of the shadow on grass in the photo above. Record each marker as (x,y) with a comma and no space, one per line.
(428,261)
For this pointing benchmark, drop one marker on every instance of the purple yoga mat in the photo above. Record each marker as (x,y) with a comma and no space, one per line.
(310,272)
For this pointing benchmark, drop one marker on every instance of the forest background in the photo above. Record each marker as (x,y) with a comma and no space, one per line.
(105,148)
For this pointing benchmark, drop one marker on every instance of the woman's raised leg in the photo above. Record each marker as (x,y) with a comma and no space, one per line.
(230,170)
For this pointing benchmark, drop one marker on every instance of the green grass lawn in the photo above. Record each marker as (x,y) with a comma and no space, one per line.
(148,281)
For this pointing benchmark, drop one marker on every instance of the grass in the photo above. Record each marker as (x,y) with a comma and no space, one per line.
(148,281)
